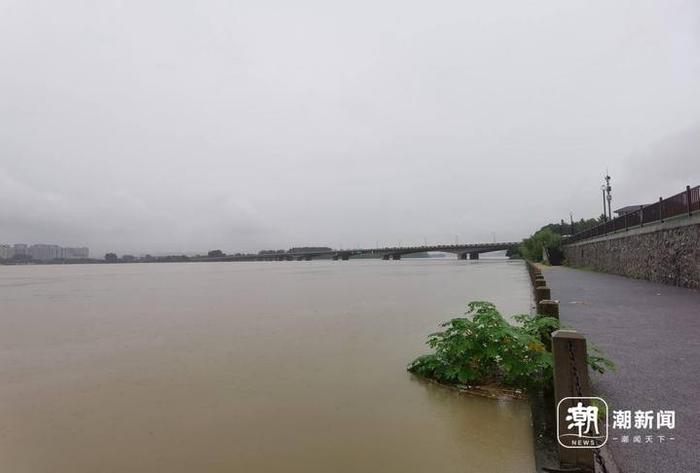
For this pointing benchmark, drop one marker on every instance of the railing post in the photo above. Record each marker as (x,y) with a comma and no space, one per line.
(542,293)
(641,215)
(687,198)
(661,209)
(570,380)
(539,282)
(548,307)
(626,221)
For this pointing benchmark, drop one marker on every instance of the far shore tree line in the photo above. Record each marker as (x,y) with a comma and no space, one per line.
(112,257)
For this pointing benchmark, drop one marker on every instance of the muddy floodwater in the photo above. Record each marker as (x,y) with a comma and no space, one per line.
(247,367)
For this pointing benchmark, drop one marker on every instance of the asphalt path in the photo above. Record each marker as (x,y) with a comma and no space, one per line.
(652,333)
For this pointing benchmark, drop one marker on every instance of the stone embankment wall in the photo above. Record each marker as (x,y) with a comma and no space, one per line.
(666,252)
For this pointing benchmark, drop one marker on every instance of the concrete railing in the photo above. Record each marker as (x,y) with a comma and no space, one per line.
(570,354)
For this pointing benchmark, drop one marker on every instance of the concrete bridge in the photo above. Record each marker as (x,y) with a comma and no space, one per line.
(470,251)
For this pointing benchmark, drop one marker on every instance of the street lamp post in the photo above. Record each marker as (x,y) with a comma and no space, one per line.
(605,213)
(571,218)
(608,189)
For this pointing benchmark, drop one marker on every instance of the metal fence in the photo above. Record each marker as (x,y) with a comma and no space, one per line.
(683,203)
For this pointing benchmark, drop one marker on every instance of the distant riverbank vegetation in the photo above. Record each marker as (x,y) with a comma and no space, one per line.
(483,349)
(550,237)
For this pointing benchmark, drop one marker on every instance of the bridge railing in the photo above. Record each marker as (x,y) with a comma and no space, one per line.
(683,203)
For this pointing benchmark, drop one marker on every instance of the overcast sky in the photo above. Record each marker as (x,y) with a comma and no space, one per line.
(152,126)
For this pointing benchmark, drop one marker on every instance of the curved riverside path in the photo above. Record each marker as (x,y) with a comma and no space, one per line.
(652,333)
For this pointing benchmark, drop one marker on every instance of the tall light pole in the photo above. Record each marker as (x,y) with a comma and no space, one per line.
(571,218)
(608,190)
(605,212)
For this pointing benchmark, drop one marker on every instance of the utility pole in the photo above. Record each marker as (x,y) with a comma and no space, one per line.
(605,211)
(571,218)
(608,189)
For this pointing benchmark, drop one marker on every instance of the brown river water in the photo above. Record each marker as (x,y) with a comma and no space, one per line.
(247,367)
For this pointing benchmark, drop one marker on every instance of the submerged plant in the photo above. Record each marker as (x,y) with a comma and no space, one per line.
(483,348)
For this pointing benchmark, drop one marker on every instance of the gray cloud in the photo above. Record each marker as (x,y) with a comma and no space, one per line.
(180,126)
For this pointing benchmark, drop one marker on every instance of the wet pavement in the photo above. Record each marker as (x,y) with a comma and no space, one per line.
(652,333)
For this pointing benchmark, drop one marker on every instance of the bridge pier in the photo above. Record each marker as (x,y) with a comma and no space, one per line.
(473,255)
(396,257)
(335,257)
(386,257)
(462,255)
(345,257)
(307,258)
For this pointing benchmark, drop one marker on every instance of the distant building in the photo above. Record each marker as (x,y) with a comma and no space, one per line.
(43,252)
(76,253)
(272,252)
(6,252)
(629,209)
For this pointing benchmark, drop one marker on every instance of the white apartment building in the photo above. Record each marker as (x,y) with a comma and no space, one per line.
(6,252)
(76,253)
(42,252)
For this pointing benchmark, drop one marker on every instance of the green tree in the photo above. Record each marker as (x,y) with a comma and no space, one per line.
(531,248)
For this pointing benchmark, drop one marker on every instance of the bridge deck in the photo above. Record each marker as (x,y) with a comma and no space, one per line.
(403,250)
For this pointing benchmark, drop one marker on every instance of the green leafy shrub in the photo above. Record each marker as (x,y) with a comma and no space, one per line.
(483,348)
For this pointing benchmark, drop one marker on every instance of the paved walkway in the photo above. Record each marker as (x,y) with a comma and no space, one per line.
(652,333)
